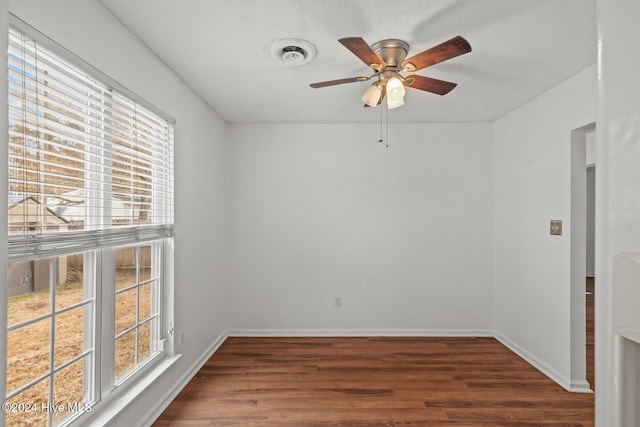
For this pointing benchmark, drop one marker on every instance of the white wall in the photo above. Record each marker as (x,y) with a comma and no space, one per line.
(532,182)
(617,192)
(402,234)
(591,147)
(89,31)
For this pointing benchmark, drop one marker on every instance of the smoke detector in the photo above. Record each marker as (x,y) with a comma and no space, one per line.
(293,51)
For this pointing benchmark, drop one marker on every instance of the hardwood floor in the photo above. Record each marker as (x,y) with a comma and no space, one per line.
(358,382)
(590,335)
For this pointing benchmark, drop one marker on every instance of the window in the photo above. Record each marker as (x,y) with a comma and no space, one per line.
(90,227)
(50,339)
(137,306)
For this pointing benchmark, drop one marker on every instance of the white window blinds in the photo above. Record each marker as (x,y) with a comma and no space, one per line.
(88,166)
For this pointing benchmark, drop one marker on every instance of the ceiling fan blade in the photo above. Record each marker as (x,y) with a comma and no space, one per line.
(362,50)
(442,52)
(429,84)
(339,81)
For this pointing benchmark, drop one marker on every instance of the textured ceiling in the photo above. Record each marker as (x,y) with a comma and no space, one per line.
(222,50)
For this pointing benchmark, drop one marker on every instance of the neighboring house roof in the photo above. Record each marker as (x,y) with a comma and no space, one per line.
(76,210)
(17,212)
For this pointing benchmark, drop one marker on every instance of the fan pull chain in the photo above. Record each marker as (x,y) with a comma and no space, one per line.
(382,120)
(387,129)
(380,140)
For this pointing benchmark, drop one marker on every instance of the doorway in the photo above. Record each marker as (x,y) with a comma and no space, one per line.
(582,154)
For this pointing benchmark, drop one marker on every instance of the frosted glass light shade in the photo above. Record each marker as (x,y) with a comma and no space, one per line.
(395,93)
(394,103)
(372,95)
(395,88)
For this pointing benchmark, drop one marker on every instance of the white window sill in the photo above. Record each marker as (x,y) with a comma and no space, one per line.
(103,413)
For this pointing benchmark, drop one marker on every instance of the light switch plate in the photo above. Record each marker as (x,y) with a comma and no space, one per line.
(555,227)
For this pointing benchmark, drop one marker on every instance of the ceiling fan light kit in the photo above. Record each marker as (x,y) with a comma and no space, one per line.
(387,59)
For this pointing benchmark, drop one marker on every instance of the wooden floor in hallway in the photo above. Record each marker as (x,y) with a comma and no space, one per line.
(362,382)
(590,331)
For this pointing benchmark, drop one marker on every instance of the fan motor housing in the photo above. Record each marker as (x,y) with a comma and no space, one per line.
(391,51)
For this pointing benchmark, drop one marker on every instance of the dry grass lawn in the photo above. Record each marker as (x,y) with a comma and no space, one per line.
(28,348)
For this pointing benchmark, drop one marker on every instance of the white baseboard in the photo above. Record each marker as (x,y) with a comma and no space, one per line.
(156,410)
(580,387)
(539,365)
(360,333)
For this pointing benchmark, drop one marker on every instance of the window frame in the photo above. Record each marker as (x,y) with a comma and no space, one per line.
(99,259)
(107,382)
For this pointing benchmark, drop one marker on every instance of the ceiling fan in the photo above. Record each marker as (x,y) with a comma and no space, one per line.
(387,58)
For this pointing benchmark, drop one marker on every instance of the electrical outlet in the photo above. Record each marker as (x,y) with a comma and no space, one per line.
(338,302)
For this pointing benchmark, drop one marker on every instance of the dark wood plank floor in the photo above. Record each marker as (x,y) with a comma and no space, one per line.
(590,301)
(358,382)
